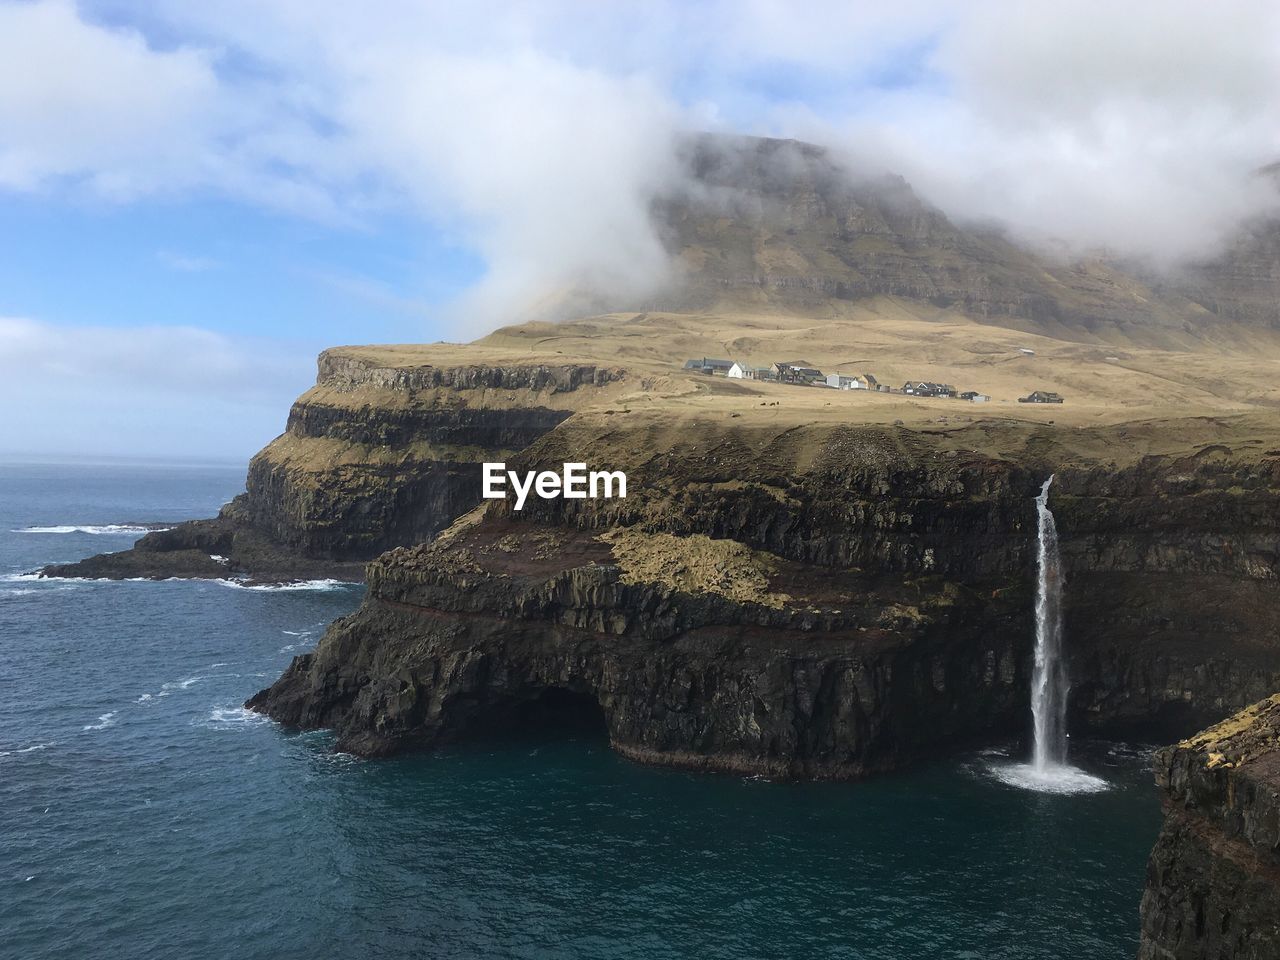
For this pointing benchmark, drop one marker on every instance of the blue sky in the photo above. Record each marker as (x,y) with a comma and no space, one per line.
(196,198)
(225,266)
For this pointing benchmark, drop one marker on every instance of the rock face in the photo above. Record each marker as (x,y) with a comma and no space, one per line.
(1213,882)
(787,225)
(376,456)
(487,632)
(743,612)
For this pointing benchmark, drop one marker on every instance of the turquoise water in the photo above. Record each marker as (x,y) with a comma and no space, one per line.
(143,814)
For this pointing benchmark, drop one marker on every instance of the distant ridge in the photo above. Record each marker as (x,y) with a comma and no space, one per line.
(781,226)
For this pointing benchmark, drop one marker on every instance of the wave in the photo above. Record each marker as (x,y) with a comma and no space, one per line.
(104,721)
(182,684)
(32,591)
(31,749)
(107,529)
(222,715)
(326,584)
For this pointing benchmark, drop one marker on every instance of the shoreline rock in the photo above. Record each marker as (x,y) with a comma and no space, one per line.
(1213,881)
(189,551)
(891,611)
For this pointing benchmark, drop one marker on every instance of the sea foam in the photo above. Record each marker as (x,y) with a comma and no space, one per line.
(21,750)
(327,584)
(104,721)
(222,715)
(107,529)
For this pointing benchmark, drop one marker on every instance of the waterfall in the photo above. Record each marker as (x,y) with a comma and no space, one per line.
(1049,681)
(1048,771)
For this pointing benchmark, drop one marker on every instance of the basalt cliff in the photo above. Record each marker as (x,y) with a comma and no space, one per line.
(1213,883)
(820,601)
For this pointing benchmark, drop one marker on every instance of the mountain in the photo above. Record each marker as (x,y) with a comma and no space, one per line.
(780,225)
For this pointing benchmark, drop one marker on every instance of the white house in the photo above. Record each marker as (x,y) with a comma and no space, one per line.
(739,372)
(840,382)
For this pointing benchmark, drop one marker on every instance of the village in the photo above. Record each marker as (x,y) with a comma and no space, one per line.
(801,373)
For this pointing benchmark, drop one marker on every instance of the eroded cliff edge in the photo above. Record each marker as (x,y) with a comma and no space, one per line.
(1213,881)
(816,601)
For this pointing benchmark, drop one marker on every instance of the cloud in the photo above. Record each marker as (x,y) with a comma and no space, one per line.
(538,135)
(546,169)
(78,102)
(145,390)
(1135,127)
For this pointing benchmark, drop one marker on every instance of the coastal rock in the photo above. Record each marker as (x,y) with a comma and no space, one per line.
(485,633)
(1213,881)
(892,603)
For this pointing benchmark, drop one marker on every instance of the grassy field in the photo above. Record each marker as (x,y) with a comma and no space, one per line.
(1103,383)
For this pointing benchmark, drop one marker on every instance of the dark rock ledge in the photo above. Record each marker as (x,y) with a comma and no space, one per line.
(1213,881)
(188,551)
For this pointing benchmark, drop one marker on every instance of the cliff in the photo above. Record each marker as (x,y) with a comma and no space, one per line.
(731,648)
(819,601)
(1213,882)
(382,451)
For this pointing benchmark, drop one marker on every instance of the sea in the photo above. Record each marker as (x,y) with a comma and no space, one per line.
(145,814)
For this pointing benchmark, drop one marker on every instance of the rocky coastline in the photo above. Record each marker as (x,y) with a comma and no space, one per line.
(746,613)
(1213,881)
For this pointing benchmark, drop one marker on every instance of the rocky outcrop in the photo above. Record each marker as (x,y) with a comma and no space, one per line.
(207,549)
(1213,881)
(892,601)
(481,634)
(382,454)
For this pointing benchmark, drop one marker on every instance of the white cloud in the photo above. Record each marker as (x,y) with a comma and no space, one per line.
(547,169)
(81,102)
(1136,127)
(538,134)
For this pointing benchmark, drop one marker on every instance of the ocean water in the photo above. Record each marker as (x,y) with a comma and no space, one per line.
(144,814)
